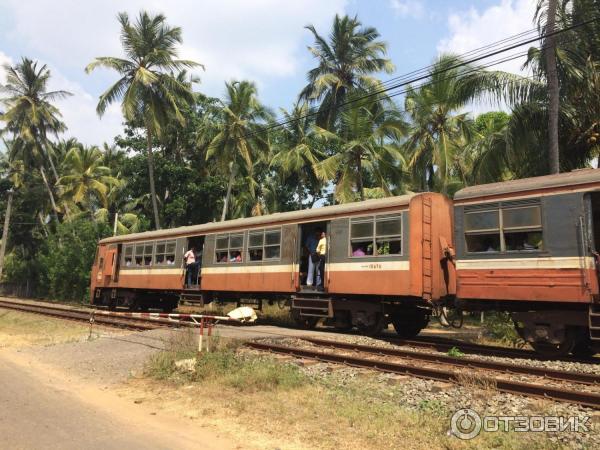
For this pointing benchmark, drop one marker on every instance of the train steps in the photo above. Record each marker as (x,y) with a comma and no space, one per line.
(313,306)
(594,322)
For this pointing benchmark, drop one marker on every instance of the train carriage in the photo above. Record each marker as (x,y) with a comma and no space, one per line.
(402,267)
(530,246)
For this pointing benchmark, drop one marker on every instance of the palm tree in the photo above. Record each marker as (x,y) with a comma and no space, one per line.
(150,93)
(439,126)
(239,136)
(15,173)
(368,147)
(347,62)
(31,117)
(86,180)
(299,151)
(549,45)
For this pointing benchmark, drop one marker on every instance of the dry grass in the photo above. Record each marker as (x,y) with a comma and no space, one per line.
(19,329)
(274,404)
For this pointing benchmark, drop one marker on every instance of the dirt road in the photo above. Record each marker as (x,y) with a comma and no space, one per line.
(42,407)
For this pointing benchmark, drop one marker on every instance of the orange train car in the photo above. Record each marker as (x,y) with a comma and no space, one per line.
(387,260)
(531,247)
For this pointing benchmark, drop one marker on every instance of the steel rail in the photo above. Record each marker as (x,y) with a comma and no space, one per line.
(560,375)
(79,316)
(444,344)
(591,400)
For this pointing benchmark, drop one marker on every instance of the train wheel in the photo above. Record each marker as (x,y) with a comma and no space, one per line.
(303,322)
(584,348)
(409,324)
(372,326)
(342,321)
(554,350)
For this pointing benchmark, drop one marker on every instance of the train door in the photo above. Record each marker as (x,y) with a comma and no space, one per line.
(593,225)
(110,265)
(192,280)
(307,260)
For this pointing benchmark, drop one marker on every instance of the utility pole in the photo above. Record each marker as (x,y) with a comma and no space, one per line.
(5,230)
(552,76)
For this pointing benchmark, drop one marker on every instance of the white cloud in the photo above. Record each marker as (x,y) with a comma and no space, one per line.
(4,59)
(473,29)
(408,8)
(79,113)
(261,40)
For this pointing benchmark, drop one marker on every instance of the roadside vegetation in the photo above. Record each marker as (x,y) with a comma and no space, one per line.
(19,329)
(276,402)
(186,158)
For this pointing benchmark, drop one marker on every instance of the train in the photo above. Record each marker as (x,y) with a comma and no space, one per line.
(528,247)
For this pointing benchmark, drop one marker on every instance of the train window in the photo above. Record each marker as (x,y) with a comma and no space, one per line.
(128,255)
(361,236)
(139,254)
(148,254)
(236,245)
(482,231)
(159,258)
(272,244)
(229,248)
(165,253)
(522,228)
(388,235)
(255,245)
(264,244)
(484,220)
(504,230)
(376,236)
(170,252)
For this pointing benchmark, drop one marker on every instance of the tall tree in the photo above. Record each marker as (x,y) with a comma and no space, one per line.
(439,125)
(549,45)
(150,90)
(31,118)
(347,61)
(368,140)
(240,138)
(298,150)
(86,180)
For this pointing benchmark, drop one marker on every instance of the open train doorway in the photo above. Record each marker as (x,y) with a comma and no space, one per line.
(193,262)
(312,268)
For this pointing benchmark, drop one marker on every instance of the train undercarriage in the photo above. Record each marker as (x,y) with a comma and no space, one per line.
(552,330)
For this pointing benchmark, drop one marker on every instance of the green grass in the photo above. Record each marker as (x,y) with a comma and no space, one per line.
(363,412)
(223,365)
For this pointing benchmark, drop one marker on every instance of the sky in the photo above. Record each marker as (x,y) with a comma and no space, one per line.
(260,40)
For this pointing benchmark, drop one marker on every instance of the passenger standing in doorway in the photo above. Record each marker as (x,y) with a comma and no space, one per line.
(190,266)
(313,259)
(322,252)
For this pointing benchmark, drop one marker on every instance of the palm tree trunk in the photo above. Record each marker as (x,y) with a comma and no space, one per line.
(50,194)
(359,179)
(5,230)
(553,152)
(228,194)
(151,178)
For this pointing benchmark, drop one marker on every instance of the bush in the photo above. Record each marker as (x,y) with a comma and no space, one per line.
(66,258)
(224,365)
(500,326)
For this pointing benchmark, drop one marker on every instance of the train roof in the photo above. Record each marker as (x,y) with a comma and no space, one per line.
(305,215)
(567,179)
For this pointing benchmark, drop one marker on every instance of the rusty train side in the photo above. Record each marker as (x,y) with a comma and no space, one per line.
(397,279)
(529,247)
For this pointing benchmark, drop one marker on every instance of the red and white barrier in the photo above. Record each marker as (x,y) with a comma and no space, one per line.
(175,318)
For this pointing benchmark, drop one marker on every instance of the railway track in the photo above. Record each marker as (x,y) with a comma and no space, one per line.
(81,316)
(444,344)
(413,365)
(412,362)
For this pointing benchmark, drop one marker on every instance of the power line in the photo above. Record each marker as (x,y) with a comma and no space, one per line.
(423,76)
